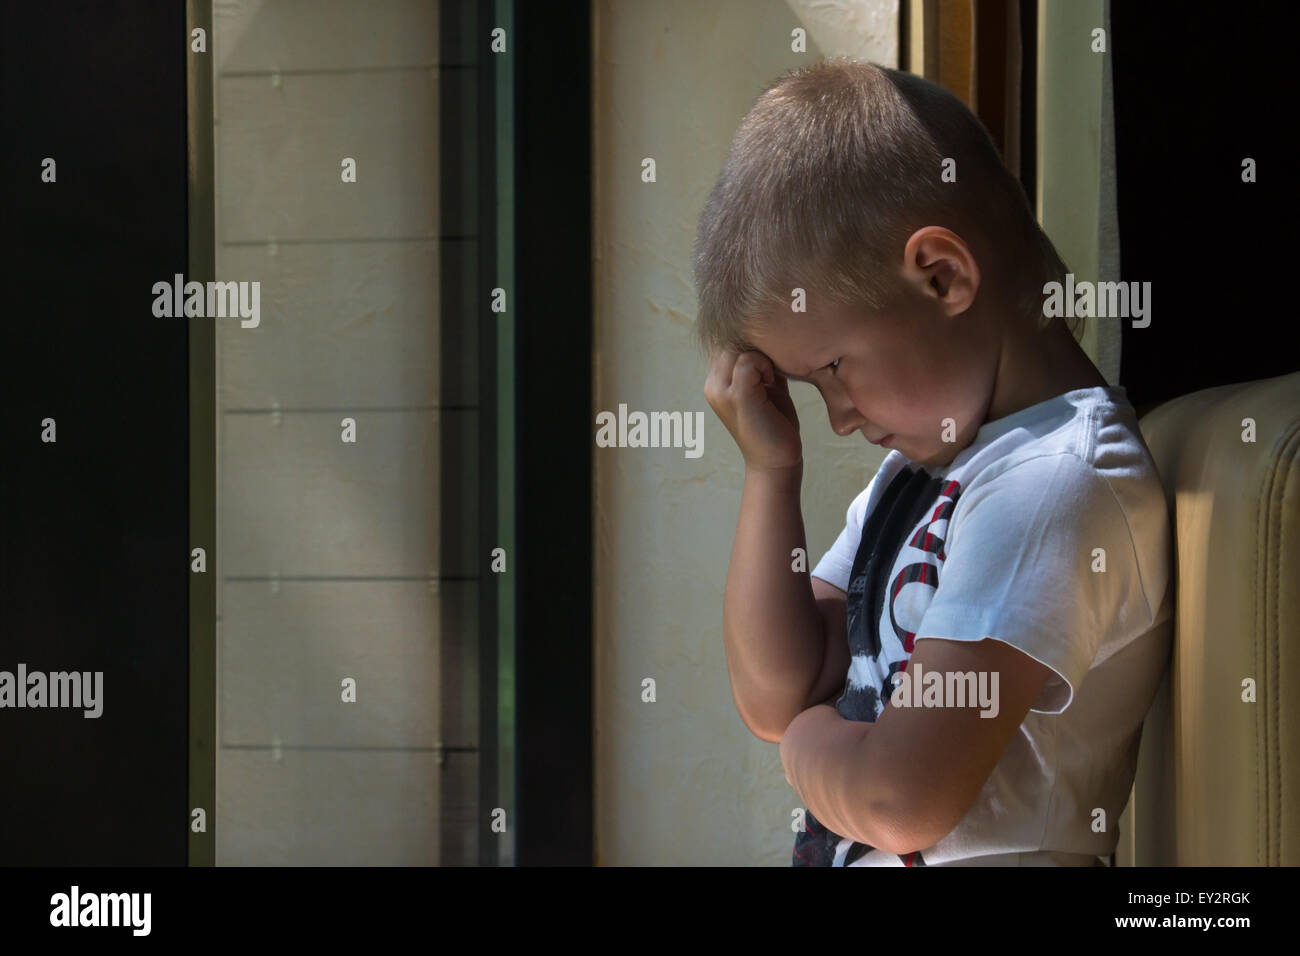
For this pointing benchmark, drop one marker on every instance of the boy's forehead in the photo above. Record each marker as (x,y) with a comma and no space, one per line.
(791,342)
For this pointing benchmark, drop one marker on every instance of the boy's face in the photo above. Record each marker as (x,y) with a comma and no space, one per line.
(902,373)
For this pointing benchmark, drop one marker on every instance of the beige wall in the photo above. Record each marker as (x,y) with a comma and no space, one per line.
(681,780)
(1076,182)
(328,552)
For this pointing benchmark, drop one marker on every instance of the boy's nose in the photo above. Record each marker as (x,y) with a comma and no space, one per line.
(845,420)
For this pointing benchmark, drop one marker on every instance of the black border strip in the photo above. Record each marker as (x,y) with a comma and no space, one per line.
(201,267)
(554,433)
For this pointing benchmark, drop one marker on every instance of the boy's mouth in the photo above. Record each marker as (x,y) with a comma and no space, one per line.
(883,441)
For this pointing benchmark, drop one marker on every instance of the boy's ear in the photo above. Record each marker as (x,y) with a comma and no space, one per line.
(939,265)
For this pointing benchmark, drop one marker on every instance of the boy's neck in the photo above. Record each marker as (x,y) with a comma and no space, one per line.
(1036,365)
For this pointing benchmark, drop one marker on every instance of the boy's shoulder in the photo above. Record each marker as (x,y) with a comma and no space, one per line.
(1072,460)
(1069,468)
(1084,436)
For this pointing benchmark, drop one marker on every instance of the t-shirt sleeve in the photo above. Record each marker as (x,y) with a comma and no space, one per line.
(837,564)
(1040,557)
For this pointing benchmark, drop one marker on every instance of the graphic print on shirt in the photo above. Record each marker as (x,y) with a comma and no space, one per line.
(898,558)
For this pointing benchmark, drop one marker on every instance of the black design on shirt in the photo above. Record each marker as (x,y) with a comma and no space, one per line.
(901,508)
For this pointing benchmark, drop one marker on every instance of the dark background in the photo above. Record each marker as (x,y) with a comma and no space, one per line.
(1193,97)
(94,551)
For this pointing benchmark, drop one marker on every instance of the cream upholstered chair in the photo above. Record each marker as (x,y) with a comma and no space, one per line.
(1216,780)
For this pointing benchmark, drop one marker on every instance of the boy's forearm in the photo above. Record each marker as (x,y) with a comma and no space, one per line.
(827,761)
(771,628)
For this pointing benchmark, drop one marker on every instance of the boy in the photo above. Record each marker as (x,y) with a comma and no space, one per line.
(1012,552)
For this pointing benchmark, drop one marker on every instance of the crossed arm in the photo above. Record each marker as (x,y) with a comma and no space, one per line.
(904,782)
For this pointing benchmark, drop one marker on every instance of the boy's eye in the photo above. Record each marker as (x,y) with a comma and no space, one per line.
(834,365)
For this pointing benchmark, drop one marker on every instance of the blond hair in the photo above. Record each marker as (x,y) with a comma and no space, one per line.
(829,173)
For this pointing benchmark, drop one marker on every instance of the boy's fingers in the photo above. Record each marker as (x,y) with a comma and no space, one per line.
(747,377)
(720,370)
(757,361)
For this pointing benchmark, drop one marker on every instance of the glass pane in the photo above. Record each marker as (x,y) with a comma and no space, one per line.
(359,639)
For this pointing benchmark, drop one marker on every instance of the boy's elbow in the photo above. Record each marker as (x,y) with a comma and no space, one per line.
(904,827)
(764,730)
(899,842)
(883,830)
(764,734)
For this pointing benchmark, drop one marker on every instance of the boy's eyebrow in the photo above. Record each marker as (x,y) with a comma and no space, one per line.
(796,378)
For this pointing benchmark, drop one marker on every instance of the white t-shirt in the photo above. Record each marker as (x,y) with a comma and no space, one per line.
(1004,543)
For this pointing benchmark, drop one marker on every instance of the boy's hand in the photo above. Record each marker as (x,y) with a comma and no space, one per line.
(753,402)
